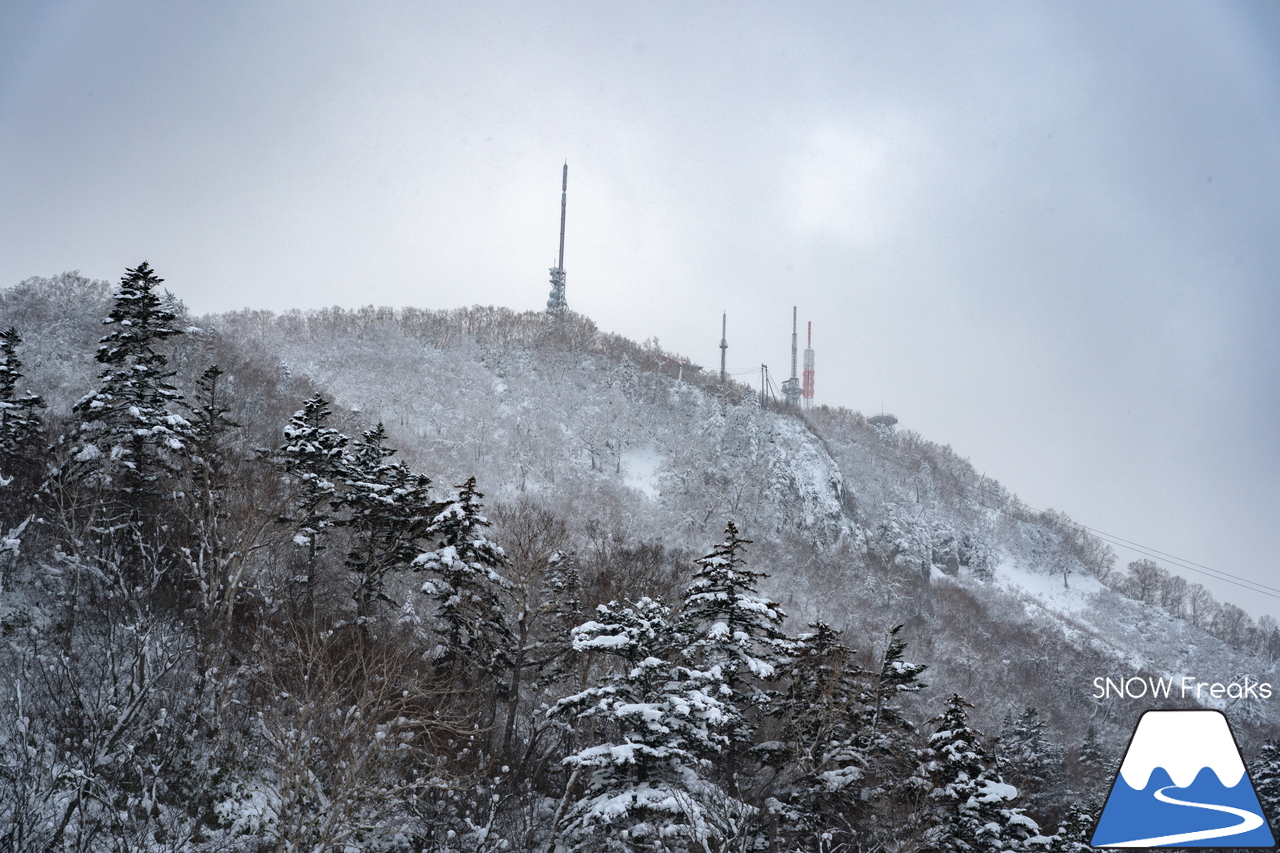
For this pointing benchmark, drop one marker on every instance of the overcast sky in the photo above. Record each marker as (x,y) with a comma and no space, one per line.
(1045,234)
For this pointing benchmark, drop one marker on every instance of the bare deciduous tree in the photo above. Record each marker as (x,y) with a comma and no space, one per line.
(1200,606)
(350,727)
(1145,580)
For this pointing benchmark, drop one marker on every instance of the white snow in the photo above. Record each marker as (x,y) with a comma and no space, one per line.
(1048,590)
(88,454)
(997,792)
(640,468)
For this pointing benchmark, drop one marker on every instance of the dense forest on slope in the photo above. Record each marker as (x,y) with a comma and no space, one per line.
(475,579)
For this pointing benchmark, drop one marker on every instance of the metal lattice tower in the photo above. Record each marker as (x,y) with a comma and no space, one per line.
(791,388)
(724,344)
(807,391)
(557,305)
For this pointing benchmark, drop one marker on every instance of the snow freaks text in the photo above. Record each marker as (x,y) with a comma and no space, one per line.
(1148,687)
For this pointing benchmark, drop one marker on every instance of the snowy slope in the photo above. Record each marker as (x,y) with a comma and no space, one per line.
(863,527)
(845,516)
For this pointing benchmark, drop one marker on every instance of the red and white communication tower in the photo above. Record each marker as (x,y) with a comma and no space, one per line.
(807,392)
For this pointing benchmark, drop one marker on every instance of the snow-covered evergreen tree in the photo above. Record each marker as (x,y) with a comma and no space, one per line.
(1092,761)
(1027,757)
(821,713)
(971,810)
(653,725)
(127,434)
(953,763)
(465,583)
(314,458)
(108,495)
(734,632)
(1075,829)
(20,424)
(735,628)
(209,422)
(885,731)
(955,757)
(563,588)
(210,549)
(1265,775)
(20,432)
(821,703)
(389,515)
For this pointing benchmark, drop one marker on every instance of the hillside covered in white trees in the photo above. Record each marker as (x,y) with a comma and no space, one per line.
(403,579)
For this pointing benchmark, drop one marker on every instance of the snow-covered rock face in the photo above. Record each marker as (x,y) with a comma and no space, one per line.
(806,479)
(1183,743)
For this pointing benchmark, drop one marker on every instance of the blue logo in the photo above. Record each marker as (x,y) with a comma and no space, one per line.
(1182,783)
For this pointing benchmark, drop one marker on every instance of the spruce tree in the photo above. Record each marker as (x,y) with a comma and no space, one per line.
(21,453)
(314,459)
(128,436)
(389,514)
(20,434)
(20,424)
(1265,776)
(119,465)
(465,584)
(821,713)
(735,635)
(885,732)
(1076,828)
(1092,761)
(735,632)
(954,758)
(653,726)
(209,422)
(1028,758)
(971,810)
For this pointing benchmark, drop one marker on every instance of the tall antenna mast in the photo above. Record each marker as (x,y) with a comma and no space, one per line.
(557,306)
(791,388)
(807,390)
(564,204)
(724,343)
(793,342)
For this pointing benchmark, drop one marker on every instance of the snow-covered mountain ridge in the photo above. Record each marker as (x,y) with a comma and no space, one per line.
(858,525)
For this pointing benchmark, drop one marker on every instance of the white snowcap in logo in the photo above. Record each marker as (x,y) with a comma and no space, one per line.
(1183,743)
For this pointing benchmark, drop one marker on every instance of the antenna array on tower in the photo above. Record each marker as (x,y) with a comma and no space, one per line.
(557,305)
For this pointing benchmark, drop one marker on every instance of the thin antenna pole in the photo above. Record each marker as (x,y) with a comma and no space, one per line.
(806,386)
(793,343)
(724,343)
(564,203)
(791,391)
